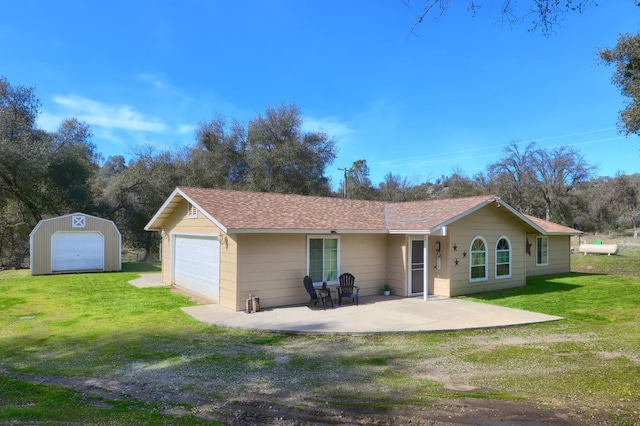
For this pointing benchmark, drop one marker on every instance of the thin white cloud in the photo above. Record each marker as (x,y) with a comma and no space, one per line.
(49,122)
(185,129)
(154,81)
(329,125)
(123,117)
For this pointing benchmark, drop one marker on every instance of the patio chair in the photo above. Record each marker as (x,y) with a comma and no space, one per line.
(317,294)
(347,288)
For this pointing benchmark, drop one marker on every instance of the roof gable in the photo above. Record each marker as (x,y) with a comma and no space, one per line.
(432,214)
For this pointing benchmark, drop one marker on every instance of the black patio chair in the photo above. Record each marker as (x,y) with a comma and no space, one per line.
(348,289)
(317,294)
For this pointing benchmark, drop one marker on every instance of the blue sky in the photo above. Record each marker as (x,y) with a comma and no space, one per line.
(450,97)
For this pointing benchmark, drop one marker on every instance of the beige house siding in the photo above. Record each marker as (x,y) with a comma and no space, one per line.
(228,272)
(397,261)
(491,224)
(272,266)
(441,287)
(559,256)
(40,256)
(438,276)
(365,256)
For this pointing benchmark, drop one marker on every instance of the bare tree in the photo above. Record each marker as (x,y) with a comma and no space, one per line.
(511,177)
(396,188)
(545,15)
(540,181)
(556,174)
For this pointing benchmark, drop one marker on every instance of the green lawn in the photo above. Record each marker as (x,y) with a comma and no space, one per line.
(92,349)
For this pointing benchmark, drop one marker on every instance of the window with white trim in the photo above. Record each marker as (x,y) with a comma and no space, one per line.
(192,213)
(542,250)
(478,263)
(503,258)
(323,259)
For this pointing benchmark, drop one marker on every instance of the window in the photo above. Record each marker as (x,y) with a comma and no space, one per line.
(503,258)
(542,251)
(192,213)
(322,259)
(478,263)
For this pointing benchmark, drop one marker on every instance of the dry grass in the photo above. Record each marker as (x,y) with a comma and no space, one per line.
(126,355)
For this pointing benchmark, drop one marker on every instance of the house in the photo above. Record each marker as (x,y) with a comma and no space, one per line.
(75,243)
(225,245)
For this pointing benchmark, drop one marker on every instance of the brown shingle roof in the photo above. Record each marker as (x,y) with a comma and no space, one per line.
(552,227)
(239,211)
(262,210)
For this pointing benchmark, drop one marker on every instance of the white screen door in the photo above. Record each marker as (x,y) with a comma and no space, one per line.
(417,266)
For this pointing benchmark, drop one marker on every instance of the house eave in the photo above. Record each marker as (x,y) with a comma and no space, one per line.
(157,221)
(570,234)
(334,231)
(409,231)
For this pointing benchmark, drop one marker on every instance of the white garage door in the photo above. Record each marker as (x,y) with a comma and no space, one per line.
(197,265)
(77,251)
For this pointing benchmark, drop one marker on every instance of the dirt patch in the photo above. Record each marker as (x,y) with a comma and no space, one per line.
(255,410)
(192,297)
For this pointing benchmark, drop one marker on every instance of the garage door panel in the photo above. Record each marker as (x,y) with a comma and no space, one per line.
(197,265)
(77,251)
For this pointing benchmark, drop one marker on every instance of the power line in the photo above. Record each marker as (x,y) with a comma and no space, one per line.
(454,155)
(344,185)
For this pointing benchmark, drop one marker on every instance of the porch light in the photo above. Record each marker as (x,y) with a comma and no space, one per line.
(437,245)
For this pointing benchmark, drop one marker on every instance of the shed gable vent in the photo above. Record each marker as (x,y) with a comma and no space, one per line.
(78,221)
(193,212)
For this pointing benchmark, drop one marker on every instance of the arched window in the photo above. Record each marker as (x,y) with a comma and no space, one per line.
(478,264)
(503,258)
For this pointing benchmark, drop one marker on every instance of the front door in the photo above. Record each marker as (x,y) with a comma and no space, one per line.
(417,266)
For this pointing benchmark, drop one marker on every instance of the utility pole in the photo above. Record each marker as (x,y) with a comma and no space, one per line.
(344,185)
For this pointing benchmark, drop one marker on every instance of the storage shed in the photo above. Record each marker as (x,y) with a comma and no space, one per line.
(75,243)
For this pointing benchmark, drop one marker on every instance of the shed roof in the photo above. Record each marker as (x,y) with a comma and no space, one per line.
(55,218)
(239,211)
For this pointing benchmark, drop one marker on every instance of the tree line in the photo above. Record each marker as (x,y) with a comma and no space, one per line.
(46,174)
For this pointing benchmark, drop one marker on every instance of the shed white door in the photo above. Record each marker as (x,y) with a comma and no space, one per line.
(197,265)
(77,251)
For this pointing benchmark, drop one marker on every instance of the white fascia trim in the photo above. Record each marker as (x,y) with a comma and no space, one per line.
(203,211)
(194,234)
(164,205)
(409,231)
(302,231)
(520,215)
(463,214)
(481,205)
(176,192)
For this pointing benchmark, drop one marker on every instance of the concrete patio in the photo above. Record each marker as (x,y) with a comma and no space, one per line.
(375,314)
